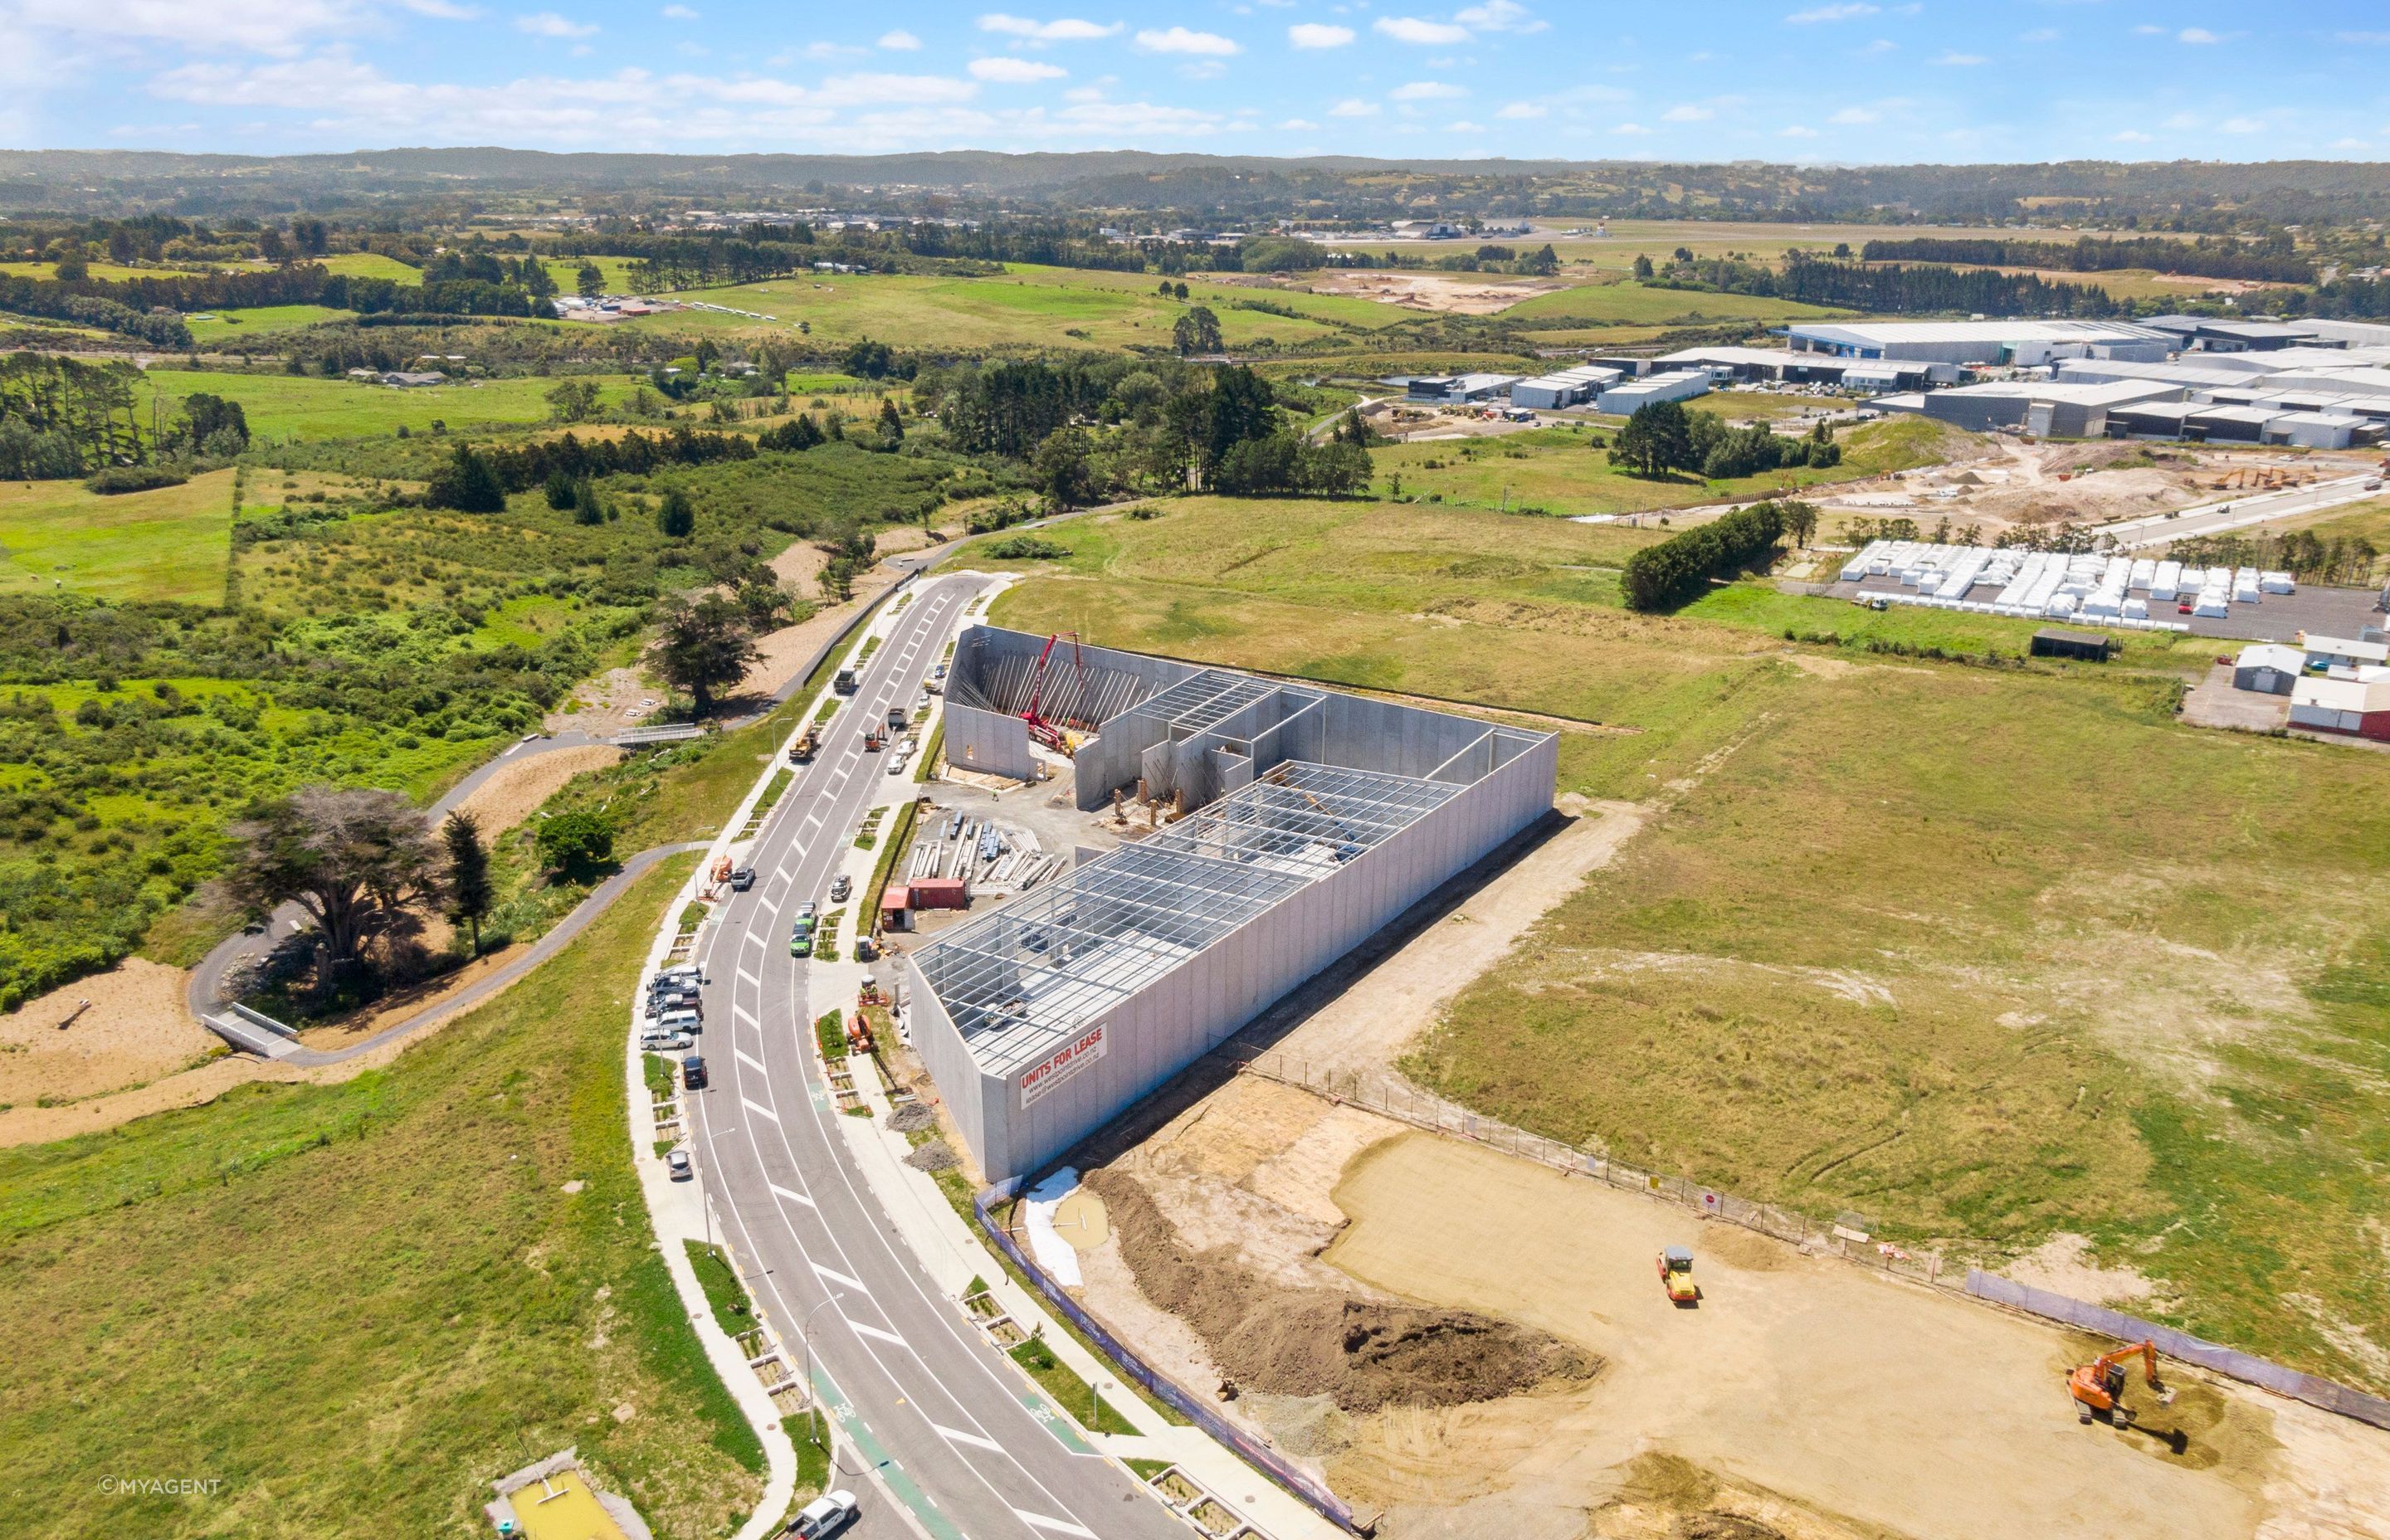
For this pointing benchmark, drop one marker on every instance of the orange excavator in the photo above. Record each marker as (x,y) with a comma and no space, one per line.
(2098,1387)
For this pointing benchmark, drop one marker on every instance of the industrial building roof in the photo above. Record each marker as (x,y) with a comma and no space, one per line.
(1976,331)
(1015,980)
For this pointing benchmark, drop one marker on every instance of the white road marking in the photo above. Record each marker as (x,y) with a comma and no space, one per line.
(836,1277)
(1059,1526)
(750,978)
(755,938)
(957,1436)
(740,1012)
(791,1197)
(759,1109)
(748,1059)
(874,1331)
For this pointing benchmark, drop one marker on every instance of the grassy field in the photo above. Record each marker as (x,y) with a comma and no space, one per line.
(567,273)
(1635,303)
(371,265)
(1557,470)
(1866,956)
(298,406)
(225,329)
(112,272)
(1049,307)
(170,544)
(419,1279)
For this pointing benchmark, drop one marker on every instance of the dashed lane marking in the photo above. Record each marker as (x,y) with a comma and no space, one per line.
(955,1435)
(874,1331)
(1059,1526)
(759,1109)
(791,1196)
(749,1060)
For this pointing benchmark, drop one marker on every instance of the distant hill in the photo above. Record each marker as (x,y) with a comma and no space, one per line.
(1198,187)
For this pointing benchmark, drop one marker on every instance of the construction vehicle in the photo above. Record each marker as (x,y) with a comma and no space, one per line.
(846,683)
(1676,1276)
(808,744)
(2098,1387)
(871,739)
(1050,734)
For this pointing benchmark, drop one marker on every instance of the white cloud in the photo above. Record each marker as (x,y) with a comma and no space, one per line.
(1855,117)
(2133,136)
(2350,144)
(1796,131)
(1179,40)
(678,13)
(1426,91)
(258,26)
(1005,69)
(1829,13)
(1298,124)
(2039,34)
(1954,59)
(2364,37)
(1068,29)
(549,24)
(1353,107)
(1464,126)
(1523,109)
(2196,34)
(1498,16)
(1413,29)
(1881,46)
(2150,29)
(1686,112)
(900,41)
(1630,129)
(1314,34)
(2243,125)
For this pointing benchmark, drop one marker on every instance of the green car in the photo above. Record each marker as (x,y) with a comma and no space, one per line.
(801,933)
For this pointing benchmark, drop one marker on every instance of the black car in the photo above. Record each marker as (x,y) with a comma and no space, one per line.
(692,1073)
(742,879)
(665,1001)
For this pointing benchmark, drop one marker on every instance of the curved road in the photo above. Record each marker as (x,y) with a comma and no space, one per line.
(970,1452)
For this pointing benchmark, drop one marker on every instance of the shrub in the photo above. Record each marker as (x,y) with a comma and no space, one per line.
(1663,576)
(574,841)
(135,478)
(1027,547)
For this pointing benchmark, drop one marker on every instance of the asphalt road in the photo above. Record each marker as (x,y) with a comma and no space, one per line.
(2226,514)
(966,1451)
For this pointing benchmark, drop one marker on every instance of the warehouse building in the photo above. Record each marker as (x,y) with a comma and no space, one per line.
(1311,819)
(1458,389)
(1675,385)
(2042,407)
(2361,708)
(1572,387)
(2270,668)
(2006,342)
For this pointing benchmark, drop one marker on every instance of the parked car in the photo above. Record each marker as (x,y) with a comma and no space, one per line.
(839,886)
(692,1073)
(825,1514)
(687,973)
(666,1042)
(680,1020)
(664,1001)
(679,1166)
(800,930)
(742,879)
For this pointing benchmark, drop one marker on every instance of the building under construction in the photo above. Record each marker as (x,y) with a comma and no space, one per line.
(1309,819)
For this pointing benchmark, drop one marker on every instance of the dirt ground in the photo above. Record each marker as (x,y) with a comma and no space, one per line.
(136,1030)
(517,789)
(614,701)
(1451,293)
(786,651)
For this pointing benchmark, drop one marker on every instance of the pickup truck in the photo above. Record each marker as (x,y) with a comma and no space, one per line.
(846,683)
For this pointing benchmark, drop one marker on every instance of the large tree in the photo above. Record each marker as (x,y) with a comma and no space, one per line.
(1197,331)
(359,861)
(471,893)
(1656,440)
(467,483)
(705,646)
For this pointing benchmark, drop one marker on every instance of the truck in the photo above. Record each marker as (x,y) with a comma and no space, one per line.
(846,683)
(897,720)
(808,744)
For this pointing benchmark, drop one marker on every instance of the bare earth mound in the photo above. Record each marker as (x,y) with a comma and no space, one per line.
(1361,1353)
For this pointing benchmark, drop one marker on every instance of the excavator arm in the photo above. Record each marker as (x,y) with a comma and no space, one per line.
(2146,1352)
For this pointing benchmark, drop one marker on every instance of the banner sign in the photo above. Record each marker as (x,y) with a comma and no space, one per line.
(1081,1051)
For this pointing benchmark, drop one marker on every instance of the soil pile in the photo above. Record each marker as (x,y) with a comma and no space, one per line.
(1360,1354)
(912,1117)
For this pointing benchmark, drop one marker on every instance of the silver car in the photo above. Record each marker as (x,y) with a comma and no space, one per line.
(679,1165)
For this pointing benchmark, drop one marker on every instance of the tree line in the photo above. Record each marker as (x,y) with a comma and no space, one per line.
(1895,290)
(1663,436)
(1679,569)
(2265,261)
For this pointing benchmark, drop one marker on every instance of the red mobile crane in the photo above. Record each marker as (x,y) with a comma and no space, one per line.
(1049,733)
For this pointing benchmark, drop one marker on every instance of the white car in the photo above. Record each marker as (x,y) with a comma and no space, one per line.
(825,1514)
(678,1164)
(666,1042)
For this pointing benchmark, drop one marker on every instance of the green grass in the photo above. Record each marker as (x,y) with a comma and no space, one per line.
(1027,305)
(658,1071)
(298,406)
(371,265)
(830,1032)
(1065,1389)
(1633,302)
(1145,1470)
(228,328)
(112,272)
(173,543)
(1557,470)
(724,1295)
(388,1273)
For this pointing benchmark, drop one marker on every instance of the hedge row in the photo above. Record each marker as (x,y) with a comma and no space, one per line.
(1663,576)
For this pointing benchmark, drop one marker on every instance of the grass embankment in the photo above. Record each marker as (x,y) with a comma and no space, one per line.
(417,1279)
(1986,953)
(225,330)
(285,406)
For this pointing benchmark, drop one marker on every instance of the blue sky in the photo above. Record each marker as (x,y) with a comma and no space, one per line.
(1800,80)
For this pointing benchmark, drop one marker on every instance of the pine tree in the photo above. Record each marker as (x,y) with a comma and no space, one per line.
(469,893)
(676,517)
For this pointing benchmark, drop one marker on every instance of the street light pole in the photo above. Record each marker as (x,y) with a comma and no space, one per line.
(805,1337)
